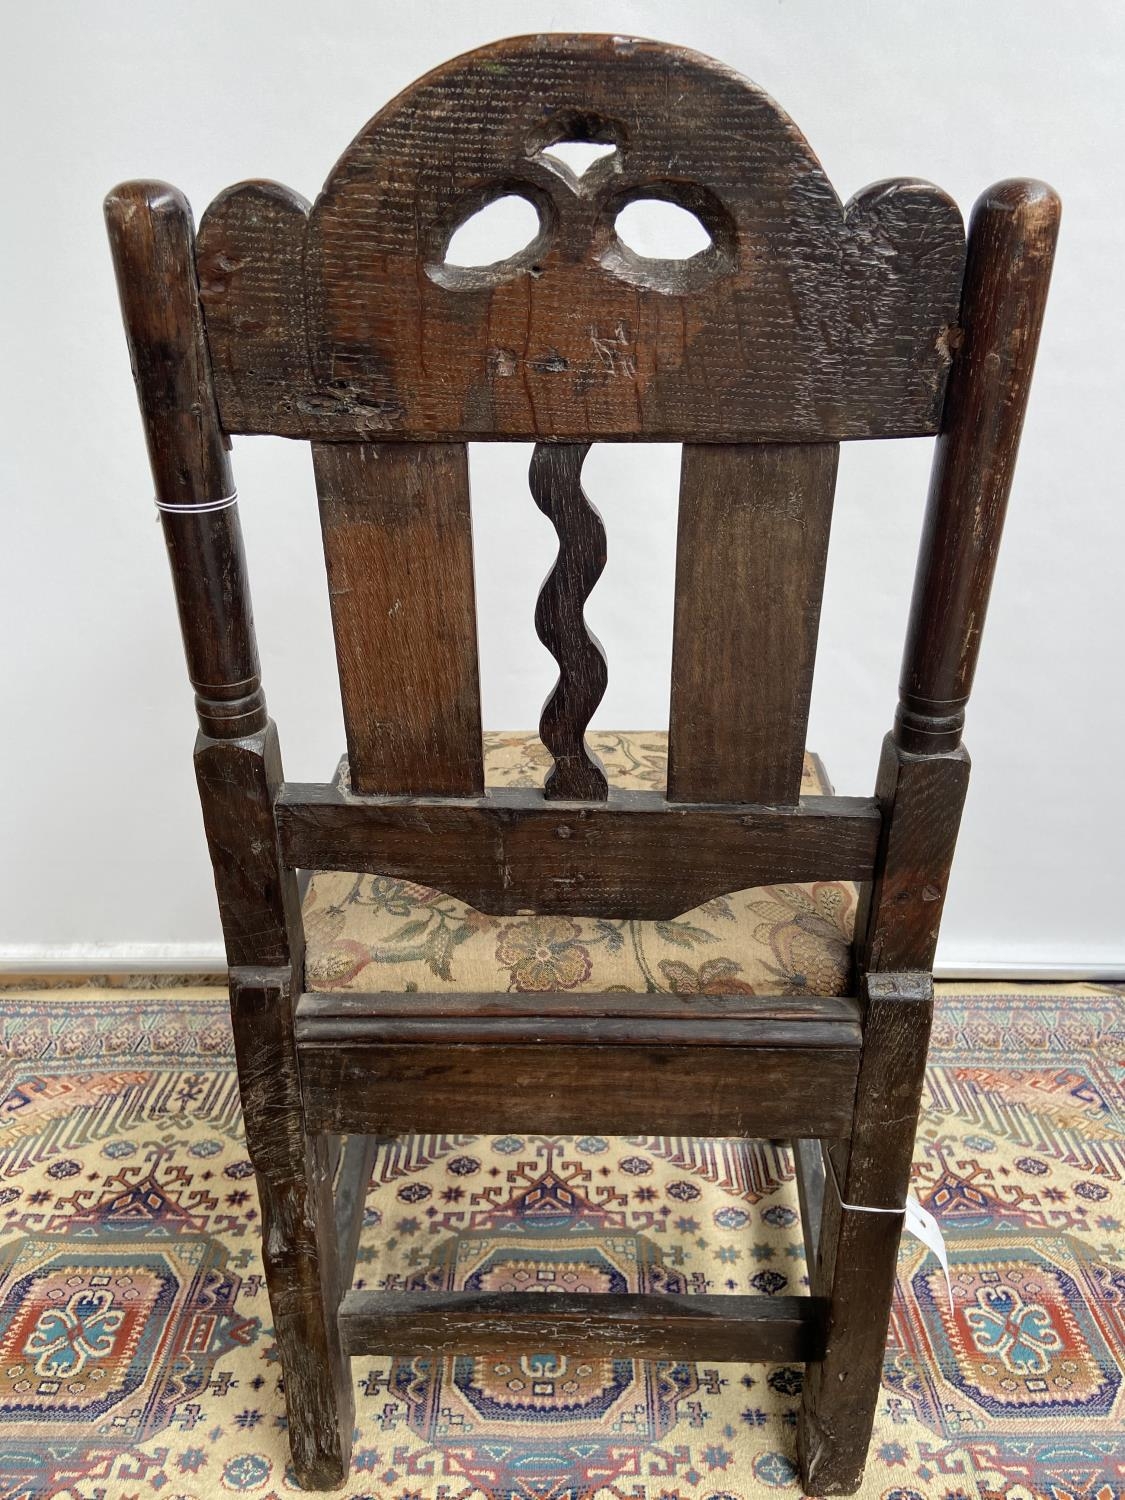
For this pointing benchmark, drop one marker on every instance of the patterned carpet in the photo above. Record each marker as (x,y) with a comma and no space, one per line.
(136,1356)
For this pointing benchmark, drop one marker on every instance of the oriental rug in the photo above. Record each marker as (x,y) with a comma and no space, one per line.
(136,1353)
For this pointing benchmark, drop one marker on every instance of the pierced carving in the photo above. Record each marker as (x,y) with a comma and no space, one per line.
(555,480)
(804,321)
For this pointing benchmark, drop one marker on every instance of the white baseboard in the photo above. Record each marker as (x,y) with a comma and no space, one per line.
(1087,972)
(207,958)
(112,958)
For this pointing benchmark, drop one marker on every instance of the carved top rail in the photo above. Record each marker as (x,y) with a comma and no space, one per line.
(803,319)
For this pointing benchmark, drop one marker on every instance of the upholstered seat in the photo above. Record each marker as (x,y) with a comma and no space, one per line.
(374,933)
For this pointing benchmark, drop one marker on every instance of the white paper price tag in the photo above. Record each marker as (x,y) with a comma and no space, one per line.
(923,1226)
(918,1220)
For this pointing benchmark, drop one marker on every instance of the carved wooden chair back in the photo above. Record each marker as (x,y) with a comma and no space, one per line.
(803,324)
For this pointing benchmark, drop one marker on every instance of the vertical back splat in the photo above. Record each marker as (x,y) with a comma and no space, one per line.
(750,557)
(555,479)
(398,544)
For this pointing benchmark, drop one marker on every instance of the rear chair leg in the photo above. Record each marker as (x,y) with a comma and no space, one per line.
(238,765)
(299,1242)
(921,789)
(857,1252)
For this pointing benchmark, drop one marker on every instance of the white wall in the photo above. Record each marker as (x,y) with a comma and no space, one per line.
(103,849)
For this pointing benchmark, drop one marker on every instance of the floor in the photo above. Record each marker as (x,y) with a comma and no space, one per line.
(136,1356)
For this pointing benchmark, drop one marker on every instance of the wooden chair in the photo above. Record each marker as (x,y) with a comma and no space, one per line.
(803,324)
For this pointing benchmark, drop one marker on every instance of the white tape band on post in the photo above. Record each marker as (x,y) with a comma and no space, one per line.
(197,508)
(916,1220)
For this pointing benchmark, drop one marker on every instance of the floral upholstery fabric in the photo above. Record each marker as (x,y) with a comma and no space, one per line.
(375,933)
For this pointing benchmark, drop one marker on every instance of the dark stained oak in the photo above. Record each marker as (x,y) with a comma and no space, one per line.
(1013,233)
(399,552)
(323,1018)
(152,239)
(724,1065)
(238,768)
(556,487)
(343,1007)
(250,253)
(634,855)
(924,770)
(806,319)
(622,1325)
(209,568)
(372,1086)
(750,556)
(922,780)
(258,900)
(356,1166)
(299,1250)
(808,1160)
(854,1267)
(921,797)
(805,322)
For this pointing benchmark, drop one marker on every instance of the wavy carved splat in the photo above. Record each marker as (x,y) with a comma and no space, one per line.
(556,486)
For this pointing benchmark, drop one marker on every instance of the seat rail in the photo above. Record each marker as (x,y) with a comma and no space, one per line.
(354,1017)
(718,1066)
(635,856)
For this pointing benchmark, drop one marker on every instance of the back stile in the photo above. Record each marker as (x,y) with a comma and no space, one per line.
(238,768)
(921,787)
(750,557)
(399,551)
(151,237)
(1012,238)
(236,757)
(1011,249)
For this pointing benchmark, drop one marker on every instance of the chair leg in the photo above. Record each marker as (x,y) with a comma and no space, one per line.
(298,1226)
(857,1251)
(841,1391)
(299,1244)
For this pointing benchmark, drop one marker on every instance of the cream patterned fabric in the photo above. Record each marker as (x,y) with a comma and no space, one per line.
(375,933)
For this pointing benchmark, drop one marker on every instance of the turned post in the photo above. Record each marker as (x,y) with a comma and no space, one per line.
(238,768)
(923,776)
(153,243)
(924,771)
(1012,236)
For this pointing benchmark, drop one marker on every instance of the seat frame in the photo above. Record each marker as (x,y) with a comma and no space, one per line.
(258,328)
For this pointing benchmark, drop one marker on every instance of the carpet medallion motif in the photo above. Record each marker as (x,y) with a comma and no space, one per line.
(136,1351)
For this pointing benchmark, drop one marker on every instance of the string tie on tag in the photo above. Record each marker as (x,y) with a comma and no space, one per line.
(916,1220)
